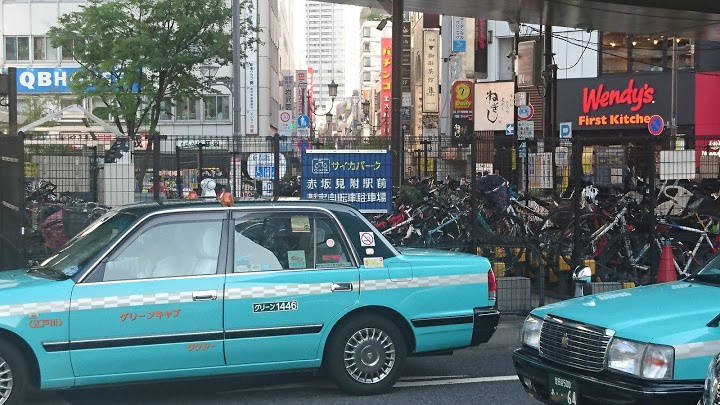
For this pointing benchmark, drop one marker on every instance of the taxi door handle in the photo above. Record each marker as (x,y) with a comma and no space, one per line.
(340,287)
(210,295)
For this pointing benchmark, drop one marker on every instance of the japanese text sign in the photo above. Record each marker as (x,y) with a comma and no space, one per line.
(493,106)
(361,178)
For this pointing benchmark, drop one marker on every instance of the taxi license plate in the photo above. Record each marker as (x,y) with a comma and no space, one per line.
(563,390)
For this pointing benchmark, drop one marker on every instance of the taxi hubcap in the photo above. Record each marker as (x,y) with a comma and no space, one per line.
(6,381)
(369,355)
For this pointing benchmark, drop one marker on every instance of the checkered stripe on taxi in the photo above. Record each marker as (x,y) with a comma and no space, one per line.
(131,300)
(232,293)
(277,291)
(697,349)
(432,281)
(34,308)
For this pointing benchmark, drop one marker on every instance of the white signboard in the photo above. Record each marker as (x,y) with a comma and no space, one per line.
(540,170)
(251,85)
(285,120)
(261,166)
(459,43)
(526,130)
(493,106)
(431,73)
(677,164)
(288,93)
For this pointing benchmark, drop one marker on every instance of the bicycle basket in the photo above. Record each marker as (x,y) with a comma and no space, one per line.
(75,219)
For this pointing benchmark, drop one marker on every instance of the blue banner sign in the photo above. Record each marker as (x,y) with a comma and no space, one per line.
(361,178)
(44,80)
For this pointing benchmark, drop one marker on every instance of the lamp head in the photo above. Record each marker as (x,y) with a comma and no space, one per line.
(333,89)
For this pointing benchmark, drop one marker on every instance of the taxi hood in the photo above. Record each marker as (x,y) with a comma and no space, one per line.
(644,313)
(20,283)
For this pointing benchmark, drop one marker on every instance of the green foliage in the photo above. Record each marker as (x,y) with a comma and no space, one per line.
(134,53)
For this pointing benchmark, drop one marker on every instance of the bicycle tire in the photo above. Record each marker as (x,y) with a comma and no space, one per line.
(590,247)
(505,233)
(626,259)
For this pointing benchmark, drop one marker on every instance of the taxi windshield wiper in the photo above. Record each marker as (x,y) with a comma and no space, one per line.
(712,278)
(47,272)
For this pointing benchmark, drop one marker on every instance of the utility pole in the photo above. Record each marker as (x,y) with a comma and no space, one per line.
(236,113)
(673,94)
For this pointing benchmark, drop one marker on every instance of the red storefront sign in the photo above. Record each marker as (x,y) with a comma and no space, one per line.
(385,86)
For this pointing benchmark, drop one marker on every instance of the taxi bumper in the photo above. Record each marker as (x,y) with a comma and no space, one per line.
(485,322)
(603,387)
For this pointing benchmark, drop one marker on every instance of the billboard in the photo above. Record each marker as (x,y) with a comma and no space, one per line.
(361,178)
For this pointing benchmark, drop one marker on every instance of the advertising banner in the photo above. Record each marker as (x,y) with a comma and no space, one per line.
(361,178)
(493,106)
(385,86)
(463,128)
(44,80)
(481,49)
(431,74)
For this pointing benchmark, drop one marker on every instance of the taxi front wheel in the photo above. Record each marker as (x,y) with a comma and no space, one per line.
(13,375)
(365,355)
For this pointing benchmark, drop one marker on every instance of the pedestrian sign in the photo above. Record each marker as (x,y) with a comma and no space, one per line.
(303,121)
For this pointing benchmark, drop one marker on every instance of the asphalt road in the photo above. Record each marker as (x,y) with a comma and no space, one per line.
(482,375)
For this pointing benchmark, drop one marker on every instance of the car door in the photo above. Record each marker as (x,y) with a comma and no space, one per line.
(293,275)
(155,303)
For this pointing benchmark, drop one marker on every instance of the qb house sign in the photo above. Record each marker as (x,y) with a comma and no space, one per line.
(623,101)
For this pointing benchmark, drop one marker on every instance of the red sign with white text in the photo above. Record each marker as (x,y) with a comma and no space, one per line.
(385,86)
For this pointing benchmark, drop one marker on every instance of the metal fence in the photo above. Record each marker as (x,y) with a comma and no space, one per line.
(545,192)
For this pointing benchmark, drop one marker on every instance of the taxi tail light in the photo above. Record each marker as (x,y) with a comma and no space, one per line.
(492,285)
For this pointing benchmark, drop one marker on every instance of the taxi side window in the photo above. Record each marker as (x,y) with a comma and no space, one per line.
(266,242)
(168,250)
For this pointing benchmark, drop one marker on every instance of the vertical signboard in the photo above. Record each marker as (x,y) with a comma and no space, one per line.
(310,87)
(431,85)
(288,92)
(405,80)
(528,73)
(251,72)
(493,106)
(301,79)
(463,128)
(481,49)
(385,85)
(459,43)
(361,178)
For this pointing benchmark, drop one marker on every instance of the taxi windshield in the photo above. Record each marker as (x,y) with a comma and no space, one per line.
(80,250)
(710,273)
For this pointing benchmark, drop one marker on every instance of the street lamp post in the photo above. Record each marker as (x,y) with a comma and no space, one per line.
(332,92)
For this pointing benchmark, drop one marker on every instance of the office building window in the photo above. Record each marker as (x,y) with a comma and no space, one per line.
(628,53)
(187,109)
(43,50)
(367,32)
(17,48)
(217,107)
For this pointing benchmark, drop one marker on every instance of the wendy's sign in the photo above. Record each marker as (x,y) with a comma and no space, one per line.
(623,101)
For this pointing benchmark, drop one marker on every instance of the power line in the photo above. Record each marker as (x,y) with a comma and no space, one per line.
(568,40)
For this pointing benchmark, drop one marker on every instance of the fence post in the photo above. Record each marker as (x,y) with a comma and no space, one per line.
(473,190)
(654,254)
(276,166)
(155,139)
(94,171)
(577,174)
(178,174)
(200,146)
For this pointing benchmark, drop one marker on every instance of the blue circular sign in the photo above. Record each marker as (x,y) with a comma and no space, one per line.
(303,121)
(656,125)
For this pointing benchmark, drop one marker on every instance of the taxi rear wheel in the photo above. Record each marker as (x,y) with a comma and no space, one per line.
(365,355)
(13,375)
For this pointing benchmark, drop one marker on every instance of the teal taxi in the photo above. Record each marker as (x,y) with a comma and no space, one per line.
(646,345)
(198,289)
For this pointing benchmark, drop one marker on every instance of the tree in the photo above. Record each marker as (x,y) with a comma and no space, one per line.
(134,54)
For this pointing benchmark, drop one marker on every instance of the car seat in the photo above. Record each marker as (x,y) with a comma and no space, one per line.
(207,256)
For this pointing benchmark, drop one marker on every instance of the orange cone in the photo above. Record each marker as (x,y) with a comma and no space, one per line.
(666,271)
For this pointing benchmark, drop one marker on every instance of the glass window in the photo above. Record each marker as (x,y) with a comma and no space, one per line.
(366,61)
(217,107)
(67,53)
(43,50)
(166,109)
(187,109)
(367,76)
(628,53)
(172,249)
(266,242)
(17,48)
(366,46)
(366,32)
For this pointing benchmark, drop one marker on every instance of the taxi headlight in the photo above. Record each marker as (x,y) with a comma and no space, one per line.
(531,331)
(641,359)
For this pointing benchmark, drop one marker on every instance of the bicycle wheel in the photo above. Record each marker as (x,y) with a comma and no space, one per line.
(626,258)
(683,254)
(591,243)
(507,234)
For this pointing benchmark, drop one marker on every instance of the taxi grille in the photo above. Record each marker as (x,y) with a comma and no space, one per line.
(576,345)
